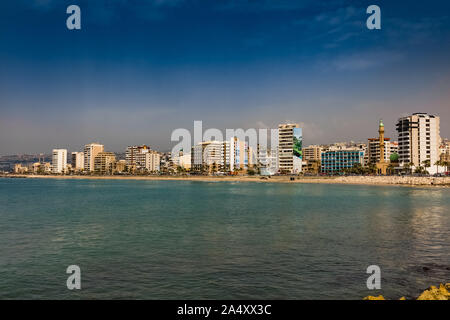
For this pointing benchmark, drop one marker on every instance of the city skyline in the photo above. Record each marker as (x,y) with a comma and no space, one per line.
(173,143)
(135,72)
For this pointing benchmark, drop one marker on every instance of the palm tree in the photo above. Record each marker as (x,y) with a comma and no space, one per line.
(426,164)
(390,168)
(411,164)
(407,167)
(371,168)
(438,164)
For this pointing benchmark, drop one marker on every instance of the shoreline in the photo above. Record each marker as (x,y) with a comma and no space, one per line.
(442,182)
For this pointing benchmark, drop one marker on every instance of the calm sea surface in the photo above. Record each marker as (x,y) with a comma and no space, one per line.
(219,240)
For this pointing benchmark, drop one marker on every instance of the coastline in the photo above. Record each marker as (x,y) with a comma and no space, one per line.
(443,182)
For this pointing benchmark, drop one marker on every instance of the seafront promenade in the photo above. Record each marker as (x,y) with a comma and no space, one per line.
(362,180)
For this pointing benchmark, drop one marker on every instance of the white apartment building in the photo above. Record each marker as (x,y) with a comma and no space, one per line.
(59,160)
(268,161)
(90,152)
(77,161)
(182,160)
(418,139)
(239,154)
(223,156)
(288,160)
(211,156)
(152,161)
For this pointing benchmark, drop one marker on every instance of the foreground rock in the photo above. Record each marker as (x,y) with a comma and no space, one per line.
(432,293)
(397,180)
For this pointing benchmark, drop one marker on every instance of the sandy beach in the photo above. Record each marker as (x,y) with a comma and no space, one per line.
(360,180)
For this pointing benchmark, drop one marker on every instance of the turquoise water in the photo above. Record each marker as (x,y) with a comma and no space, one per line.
(226,240)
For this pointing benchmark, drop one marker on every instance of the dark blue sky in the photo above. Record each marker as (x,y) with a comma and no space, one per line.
(139,69)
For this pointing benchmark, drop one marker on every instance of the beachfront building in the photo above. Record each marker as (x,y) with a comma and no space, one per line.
(90,153)
(222,156)
(120,166)
(239,154)
(312,152)
(289,148)
(312,157)
(418,139)
(77,161)
(42,167)
(208,156)
(104,163)
(185,161)
(182,160)
(268,161)
(444,148)
(59,160)
(167,164)
(135,156)
(18,168)
(152,161)
(336,159)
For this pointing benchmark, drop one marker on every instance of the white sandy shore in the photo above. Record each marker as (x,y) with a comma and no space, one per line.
(361,180)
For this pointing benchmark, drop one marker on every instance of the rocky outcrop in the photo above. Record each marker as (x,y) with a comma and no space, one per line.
(432,293)
(380,297)
(397,180)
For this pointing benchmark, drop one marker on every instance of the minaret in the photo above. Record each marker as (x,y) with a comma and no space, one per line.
(381,132)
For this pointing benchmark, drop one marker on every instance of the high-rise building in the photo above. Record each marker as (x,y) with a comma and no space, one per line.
(77,161)
(239,154)
(289,148)
(152,161)
(418,139)
(213,157)
(90,152)
(104,162)
(136,155)
(210,156)
(59,160)
(222,156)
(268,161)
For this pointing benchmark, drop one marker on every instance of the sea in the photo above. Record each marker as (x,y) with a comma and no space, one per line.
(135,239)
